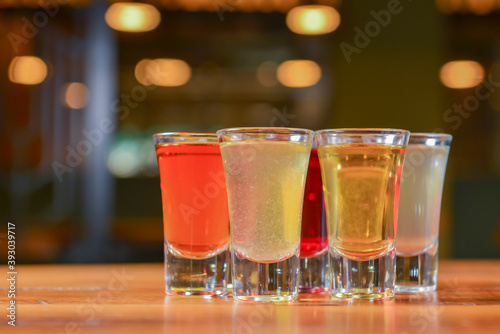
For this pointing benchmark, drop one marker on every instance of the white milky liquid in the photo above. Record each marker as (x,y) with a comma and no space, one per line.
(420,198)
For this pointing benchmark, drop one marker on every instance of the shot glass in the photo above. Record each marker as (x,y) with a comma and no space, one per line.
(265,171)
(361,171)
(314,267)
(419,210)
(195,213)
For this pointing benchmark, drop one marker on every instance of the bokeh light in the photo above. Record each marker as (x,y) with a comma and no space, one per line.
(299,73)
(480,7)
(313,19)
(76,95)
(124,159)
(461,74)
(132,17)
(27,70)
(163,72)
(449,6)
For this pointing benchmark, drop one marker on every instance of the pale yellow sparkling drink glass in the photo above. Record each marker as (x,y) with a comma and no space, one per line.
(361,170)
(265,171)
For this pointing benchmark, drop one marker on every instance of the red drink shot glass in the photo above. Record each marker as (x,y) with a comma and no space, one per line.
(314,268)
(195,213)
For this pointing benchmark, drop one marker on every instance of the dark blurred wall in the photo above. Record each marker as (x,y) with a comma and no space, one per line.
(392,78)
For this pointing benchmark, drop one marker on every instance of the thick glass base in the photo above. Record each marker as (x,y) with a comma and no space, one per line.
(265,282)
(314,274)
(417,273)
(196,277)
(371,279)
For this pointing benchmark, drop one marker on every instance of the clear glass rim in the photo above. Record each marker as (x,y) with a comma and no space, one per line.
(264,130)
(361,131)
(185,137)
(443,136)
(430,139)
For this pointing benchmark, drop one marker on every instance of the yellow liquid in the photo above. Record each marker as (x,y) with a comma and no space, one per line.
(361,185)
(265,185)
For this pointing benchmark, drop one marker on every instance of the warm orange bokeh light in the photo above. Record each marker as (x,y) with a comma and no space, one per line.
(449,6)
(76,95)
(132,17)
(163,72)
(27,70)
(461,74)
(313,19)
(299,73)
(480,7)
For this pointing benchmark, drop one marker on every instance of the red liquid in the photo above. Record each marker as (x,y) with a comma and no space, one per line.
(193,188)
(314,238)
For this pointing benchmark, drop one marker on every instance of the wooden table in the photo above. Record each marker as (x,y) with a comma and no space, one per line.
(130,299)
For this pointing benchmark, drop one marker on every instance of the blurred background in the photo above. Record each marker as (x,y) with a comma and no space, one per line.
(85,83)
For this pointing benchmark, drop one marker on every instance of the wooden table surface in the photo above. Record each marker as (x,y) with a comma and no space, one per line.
(130,298)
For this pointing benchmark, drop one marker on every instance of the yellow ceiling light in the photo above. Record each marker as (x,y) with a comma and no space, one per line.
(299,73)
(163,72)
(27,70)
(132,17)
(313,19)
(76,95)
(461,74)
